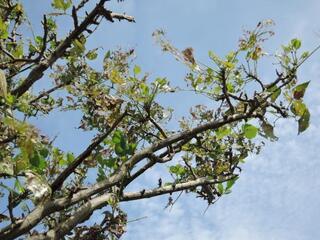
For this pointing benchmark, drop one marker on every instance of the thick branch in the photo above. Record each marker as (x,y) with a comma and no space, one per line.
(85,211)
(82,214)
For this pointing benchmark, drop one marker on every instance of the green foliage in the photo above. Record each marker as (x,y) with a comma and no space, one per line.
(61,4)
(178,170)
(275,93)
(92,54)
(298,91)
(38,161)
(223,188)
(136,70)
(304,121)
(296,43)
(121,146)
(4,29)
(249,131)
(122,107)
(267,129)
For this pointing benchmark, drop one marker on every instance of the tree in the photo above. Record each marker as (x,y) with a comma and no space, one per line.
(43,186)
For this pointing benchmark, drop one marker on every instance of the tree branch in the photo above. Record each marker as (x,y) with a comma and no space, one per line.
(172,188)
(46,93)
(110,16)
(45,209)
(65,174)
(225,90)
(86,210)
(82,214)
(38,71)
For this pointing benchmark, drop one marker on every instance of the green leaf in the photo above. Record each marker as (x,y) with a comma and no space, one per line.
(268,130)
(227,191)
(249,131)
(131,148)
(178,170)
(120,143)
(51,24)
(79,45)
(111,163)
(215,58)
(32,48)
(298,108)
(222,132)
(275,92)
(230,87)
(18,186)
(286,49)
(275,95)
(144,89)
(116,138)
(161,81)
(173,169)
(115,77)
(38,161)
(18,51)
(119,150)
(39,41)
(231,182)
(92,55)
(136,70)
(304,55)
(304,121)
(35,159)
(298,91)
(101,174)
(61,4)
(10,99)
(44,152)
(3,29)
(296,43)
(220,188)
(107,55)
(70,157)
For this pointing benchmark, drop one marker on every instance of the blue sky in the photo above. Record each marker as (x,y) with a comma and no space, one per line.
(277,196)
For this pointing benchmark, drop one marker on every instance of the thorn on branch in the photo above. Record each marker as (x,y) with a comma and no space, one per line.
(279,74)
(89,31)
(160,182)
(142,192)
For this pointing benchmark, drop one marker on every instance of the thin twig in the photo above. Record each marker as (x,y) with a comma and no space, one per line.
(225,90)
(46,93)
